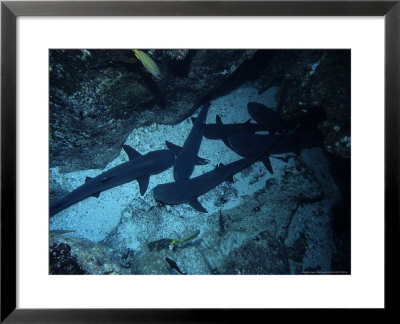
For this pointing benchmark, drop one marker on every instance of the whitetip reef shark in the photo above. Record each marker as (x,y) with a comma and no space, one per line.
(187,191)
(187,157)
(266,116)
(139,167)
(252,144)
(222,131)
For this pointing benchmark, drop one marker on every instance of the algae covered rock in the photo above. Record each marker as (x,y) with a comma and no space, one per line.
(61,260)
(320,80)
(261,223)
(97,97)
(74,255)
(92,107)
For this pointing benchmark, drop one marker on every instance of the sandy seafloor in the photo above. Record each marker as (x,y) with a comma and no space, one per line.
(123,219)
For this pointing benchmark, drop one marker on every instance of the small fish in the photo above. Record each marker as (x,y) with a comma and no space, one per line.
(174,266)
(148,63)
(186,238)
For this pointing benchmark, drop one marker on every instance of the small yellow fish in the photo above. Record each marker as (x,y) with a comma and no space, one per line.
(187,238)
(148,63)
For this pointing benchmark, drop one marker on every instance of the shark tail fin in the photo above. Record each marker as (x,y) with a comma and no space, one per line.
(132,153)
(143,182)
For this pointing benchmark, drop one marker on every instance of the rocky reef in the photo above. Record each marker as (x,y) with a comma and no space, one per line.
(107,93)
(294,221)
(75,255)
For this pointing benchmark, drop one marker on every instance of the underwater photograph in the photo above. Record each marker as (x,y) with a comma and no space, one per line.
(199,161)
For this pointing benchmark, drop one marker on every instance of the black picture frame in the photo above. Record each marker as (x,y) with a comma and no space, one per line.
(10,10)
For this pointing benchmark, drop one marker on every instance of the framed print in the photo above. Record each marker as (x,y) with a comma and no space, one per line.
(165,155)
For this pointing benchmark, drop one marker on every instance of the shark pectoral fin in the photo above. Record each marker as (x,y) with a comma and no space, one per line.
(143,182)
(230,179)
(226,142)
(196,205)
(266,161)
(218,120)
(132,153)
(172,147)
(95,195)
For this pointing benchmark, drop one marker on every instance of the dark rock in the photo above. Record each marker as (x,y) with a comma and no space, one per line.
(298,187)
(272,67)
(263,254)
(320,80)
(297,250)
(162,244)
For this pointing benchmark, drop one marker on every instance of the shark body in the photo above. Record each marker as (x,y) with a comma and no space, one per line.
(267,116)
(176,149)
(252,144)
(223,131)
(139,167)
(187,191)
(187,157)
(255,144)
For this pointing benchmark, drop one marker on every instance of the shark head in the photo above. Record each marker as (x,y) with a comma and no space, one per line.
(160,194)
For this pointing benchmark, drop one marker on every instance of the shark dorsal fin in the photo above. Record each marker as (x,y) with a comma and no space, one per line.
(172,147)
(218,120)
(193,119)
(87,179)
(196,205)
(143,182)
(248,122)
(266,161)
(132,153)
